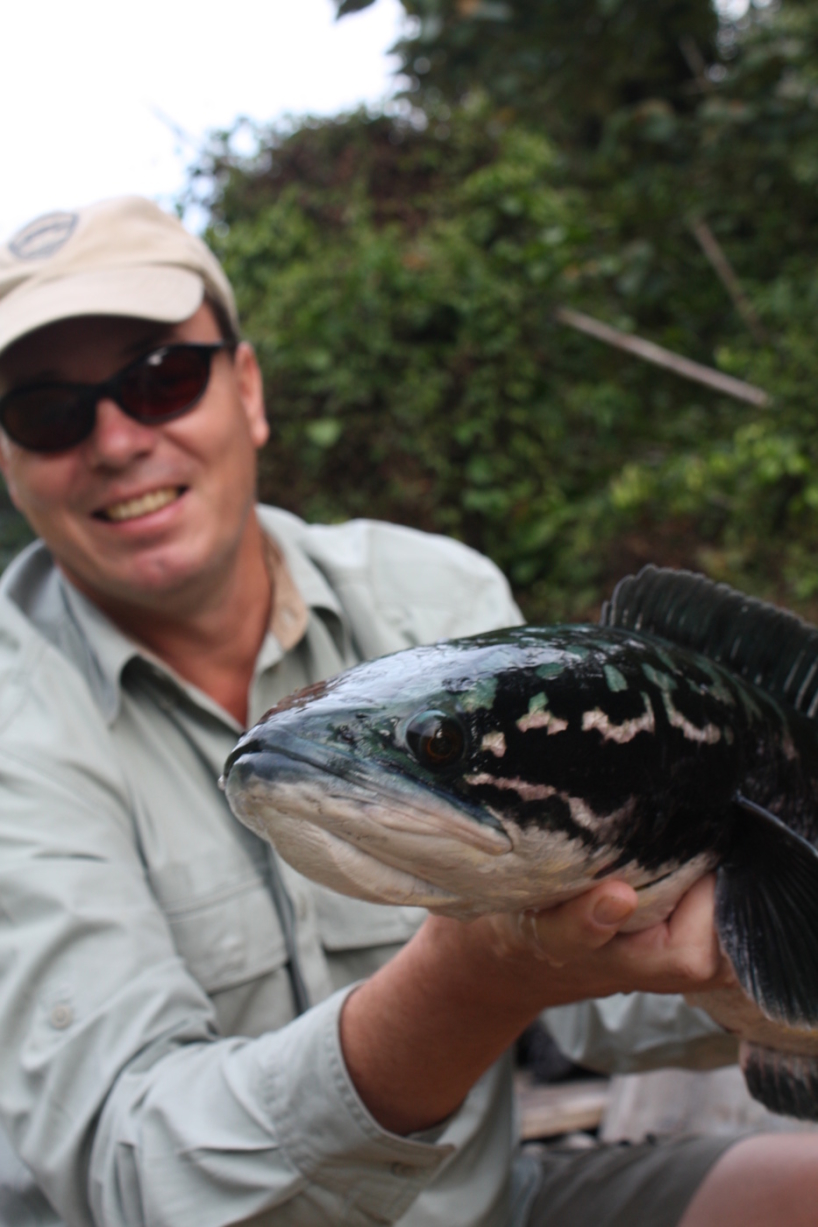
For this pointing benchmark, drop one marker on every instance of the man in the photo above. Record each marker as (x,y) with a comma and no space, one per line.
(173,1047)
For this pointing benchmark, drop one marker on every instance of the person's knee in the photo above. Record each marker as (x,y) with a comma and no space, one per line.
(769,1180)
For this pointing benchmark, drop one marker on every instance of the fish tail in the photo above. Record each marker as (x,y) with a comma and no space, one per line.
(785,1082)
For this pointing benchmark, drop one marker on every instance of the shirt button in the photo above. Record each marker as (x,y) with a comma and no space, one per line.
(62,1016)
(402,1169)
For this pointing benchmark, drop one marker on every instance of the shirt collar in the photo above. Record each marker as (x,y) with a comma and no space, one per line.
(102,652)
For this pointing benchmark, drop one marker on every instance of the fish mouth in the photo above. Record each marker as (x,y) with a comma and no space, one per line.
(376,835)
(267,765)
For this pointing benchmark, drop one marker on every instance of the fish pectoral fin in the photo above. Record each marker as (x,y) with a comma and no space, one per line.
(767,914)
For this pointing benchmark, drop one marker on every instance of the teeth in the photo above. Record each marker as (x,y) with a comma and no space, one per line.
(133,507)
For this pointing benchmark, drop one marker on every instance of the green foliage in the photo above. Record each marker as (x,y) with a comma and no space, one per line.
(400,275)
(564,67)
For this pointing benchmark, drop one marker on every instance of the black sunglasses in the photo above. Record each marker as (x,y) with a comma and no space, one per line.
(159,386)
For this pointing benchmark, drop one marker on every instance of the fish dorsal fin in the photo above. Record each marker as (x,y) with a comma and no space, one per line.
(767,646)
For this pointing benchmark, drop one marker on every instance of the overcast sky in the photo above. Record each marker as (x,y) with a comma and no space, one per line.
(84,84)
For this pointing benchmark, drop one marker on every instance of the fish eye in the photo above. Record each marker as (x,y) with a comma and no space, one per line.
(436,739)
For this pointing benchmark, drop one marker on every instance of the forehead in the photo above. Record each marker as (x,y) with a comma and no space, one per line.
(92,347)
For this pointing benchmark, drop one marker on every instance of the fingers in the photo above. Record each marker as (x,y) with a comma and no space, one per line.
(564,934)
(680,955)
(586,955)
(692,934)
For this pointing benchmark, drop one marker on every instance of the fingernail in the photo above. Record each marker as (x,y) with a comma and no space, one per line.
(611,909)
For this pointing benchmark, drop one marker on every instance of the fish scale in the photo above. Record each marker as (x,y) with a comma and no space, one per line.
(514,770)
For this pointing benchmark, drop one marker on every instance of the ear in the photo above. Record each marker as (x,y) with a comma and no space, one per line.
(251,392)
(6,469)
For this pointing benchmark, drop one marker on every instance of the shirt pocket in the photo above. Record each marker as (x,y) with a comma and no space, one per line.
(222,918)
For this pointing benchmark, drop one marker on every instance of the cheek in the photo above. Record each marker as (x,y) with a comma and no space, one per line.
(222,445)
(39,486)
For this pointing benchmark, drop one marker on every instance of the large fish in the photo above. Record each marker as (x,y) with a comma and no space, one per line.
(514,770)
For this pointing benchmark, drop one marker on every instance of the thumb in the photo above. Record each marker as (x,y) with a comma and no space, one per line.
(559,934)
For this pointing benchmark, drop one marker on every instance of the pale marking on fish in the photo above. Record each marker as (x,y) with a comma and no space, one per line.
(551,669)
(718,689)
(524,790)
(667,660)
(624,732)
(709,735)
(542,720)
(616,680)
(537,717)
(481,695)
(495,743)
(658,678)
(581,812)
(583,815)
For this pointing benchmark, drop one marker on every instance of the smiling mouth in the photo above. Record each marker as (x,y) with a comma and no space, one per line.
(133,508)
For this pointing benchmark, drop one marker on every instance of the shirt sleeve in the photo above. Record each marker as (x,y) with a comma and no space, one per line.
(114,1086)
(634,1032)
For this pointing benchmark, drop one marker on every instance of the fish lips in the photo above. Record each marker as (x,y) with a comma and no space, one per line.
(261,762)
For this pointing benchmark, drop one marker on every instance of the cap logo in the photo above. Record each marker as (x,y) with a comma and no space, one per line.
(44,236)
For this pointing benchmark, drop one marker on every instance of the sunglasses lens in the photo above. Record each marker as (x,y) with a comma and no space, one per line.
(47,419)
(161,386)
(167,383)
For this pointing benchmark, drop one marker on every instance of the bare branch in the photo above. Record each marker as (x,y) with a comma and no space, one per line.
(648,351)
(724,271)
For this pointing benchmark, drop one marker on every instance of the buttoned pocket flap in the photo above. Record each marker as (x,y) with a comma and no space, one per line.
(222,917)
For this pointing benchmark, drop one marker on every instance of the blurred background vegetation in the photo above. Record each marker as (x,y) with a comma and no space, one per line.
(400,273)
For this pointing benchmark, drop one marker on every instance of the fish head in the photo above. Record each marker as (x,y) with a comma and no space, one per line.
(375,782)
(480,774)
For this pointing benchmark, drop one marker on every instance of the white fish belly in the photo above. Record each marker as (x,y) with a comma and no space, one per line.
(393,850)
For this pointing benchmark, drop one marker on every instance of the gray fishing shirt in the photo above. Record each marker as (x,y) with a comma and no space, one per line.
(153,1069)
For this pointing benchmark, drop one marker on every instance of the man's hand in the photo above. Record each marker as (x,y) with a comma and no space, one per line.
(580,941)
(422,1030)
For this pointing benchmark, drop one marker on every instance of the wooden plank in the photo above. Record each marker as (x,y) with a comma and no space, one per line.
(675,1102)
(547,1111)
(648,351)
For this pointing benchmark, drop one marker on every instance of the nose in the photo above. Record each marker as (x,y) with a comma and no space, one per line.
(117,439)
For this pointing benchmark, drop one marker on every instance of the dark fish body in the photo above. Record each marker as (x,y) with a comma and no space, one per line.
(513,770)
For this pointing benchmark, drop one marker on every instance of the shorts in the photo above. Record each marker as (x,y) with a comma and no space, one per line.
(645,1184)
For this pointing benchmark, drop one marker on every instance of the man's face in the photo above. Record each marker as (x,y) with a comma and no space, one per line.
(139,514)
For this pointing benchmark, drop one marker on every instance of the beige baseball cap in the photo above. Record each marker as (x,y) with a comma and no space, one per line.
(117,257)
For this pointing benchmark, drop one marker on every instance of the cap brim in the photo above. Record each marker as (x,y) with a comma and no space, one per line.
(162,293)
